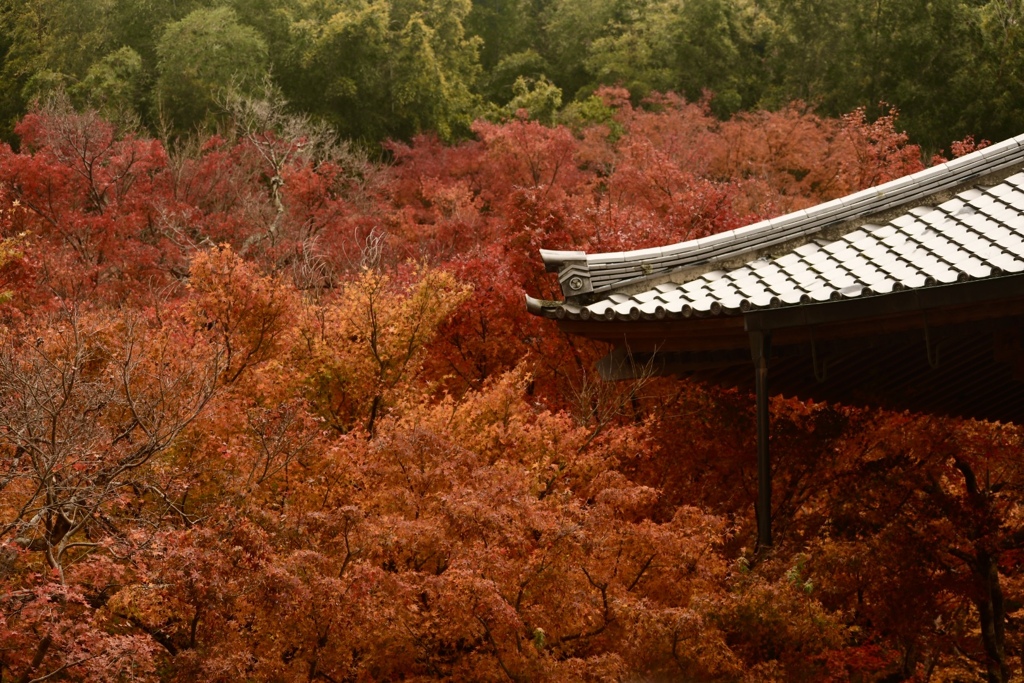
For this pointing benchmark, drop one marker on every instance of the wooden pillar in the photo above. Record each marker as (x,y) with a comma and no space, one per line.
(760,348)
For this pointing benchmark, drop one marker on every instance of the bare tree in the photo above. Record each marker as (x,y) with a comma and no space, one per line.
(282,138)
(85,407)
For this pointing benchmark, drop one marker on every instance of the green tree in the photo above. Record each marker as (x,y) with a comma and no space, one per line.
(571,26)
(200,59)
(718,46)
(512,44)
(921,57)
(539,100)
(996,79)
(660,45)
(114,84)
(636,49)
(809,50)
(505,27)
(274,20)
(46,45)
(390,68)
(139,24)
(499,82)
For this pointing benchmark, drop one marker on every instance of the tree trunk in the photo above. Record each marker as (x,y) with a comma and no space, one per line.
(993,617)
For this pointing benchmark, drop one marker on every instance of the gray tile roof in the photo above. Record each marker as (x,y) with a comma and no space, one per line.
(823,253)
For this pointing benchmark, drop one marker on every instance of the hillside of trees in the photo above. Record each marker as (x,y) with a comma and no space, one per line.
(274,412)
(378,69)
(272,407)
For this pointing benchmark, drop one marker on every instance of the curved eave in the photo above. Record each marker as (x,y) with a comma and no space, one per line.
(909,309)
(979,299)
(632,311)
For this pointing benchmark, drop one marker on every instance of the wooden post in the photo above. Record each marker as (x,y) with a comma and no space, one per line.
(760,348)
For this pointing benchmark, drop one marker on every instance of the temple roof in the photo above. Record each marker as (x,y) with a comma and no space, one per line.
(956,222)
(906,296)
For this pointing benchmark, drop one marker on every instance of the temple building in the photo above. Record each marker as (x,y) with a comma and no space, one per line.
(908,296)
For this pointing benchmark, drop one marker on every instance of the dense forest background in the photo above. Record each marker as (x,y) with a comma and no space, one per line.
(272,407)
(378,69)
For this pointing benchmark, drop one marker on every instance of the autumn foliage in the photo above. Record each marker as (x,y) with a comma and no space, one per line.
(274,412)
